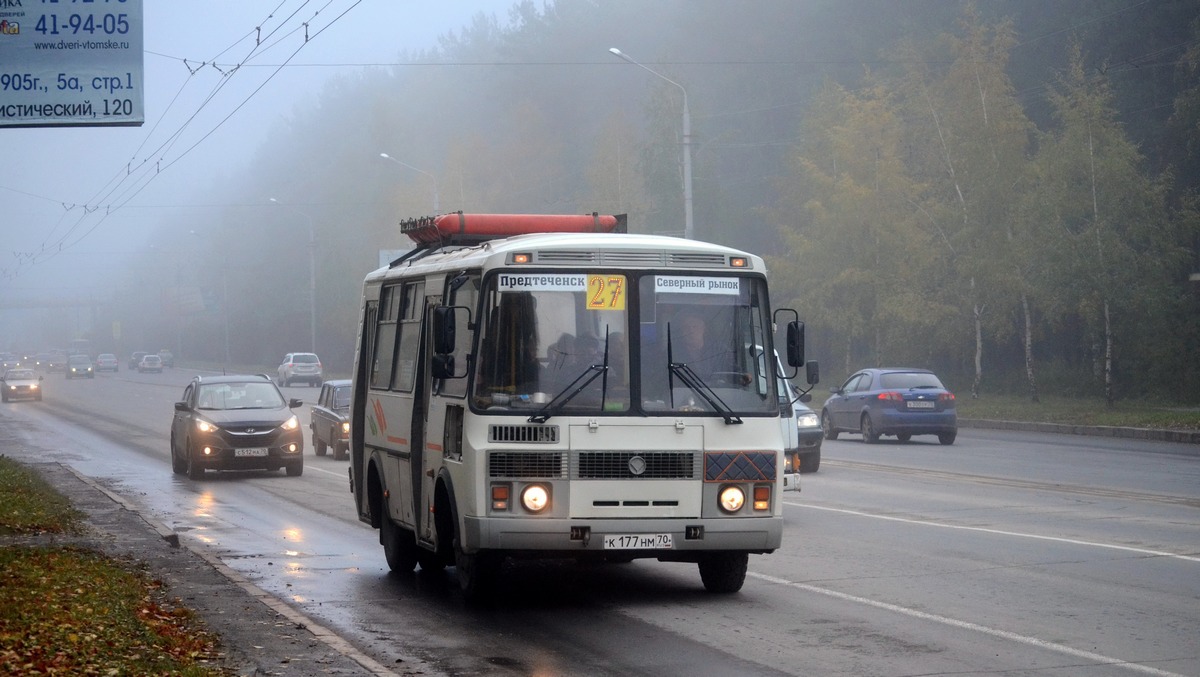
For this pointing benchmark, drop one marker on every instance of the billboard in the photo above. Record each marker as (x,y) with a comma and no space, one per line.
(71,64)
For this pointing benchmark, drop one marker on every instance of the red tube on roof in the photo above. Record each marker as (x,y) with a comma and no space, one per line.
(460,227)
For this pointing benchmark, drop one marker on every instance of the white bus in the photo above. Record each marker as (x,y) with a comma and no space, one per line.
(530,386)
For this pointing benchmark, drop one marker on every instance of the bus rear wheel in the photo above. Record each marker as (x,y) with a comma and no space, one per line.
(399,546)
(724,572)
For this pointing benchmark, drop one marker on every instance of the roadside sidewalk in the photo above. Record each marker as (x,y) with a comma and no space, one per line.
(260,635)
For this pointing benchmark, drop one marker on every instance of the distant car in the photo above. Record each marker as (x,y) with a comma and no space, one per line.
(42,361)
(80,366)
(894,401)
(299,367)
(136,358)
(20,384)
(57,362)
(804,454)
(330,419)
(107,362)
(235,423)
(8,361)
(150,363)
(167,357)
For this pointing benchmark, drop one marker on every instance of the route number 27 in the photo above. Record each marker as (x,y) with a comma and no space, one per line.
(606,292)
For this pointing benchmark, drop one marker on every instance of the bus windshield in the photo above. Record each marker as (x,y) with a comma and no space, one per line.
(613,343)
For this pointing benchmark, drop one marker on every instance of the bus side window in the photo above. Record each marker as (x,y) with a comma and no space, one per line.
(463,295)
(385,337)
(509,355)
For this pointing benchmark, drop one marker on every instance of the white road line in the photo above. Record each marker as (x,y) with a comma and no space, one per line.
(1000,532)
(342,475)
(1099,659)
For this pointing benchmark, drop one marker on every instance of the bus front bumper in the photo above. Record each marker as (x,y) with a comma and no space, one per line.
(574,537)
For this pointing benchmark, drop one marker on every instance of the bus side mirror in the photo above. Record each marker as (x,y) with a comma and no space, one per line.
(443,365)
(812,373)
(795,343)
(443,330)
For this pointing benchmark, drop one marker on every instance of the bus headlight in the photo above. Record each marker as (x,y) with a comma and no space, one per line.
(346,427)
(535,498)
(732,499)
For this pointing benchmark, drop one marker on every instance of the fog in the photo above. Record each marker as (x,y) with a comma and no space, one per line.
(192,232)
(85,208)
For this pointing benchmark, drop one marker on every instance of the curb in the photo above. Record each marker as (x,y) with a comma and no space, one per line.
(1152,434)
(298,619)
(166,533)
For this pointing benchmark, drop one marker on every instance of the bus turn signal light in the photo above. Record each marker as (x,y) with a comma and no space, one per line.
(762,498)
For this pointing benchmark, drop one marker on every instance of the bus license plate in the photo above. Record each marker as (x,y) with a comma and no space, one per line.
(638,541)
(253,451)
(918,404)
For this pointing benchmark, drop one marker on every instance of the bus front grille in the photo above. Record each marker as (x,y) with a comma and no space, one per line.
(541,434)
(651,465)
(528,464)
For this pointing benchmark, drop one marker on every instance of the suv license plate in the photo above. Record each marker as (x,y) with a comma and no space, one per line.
(638,541)
(253,451)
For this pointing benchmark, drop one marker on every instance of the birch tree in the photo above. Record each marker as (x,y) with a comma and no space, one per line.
(970,137)
(1109,222)
(855,262)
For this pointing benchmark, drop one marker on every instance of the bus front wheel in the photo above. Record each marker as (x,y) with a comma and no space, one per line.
(724,572)
(477,573)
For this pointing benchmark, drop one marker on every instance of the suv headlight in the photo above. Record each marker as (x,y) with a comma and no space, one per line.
(291,424)
(204,426)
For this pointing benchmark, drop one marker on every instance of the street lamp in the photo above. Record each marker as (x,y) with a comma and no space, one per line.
(224,304)
(688,229)
(436,208)
(312,277)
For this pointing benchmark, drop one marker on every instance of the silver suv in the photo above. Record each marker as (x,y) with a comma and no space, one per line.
(300,367)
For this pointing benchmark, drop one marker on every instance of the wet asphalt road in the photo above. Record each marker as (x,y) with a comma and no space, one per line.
(1007,553)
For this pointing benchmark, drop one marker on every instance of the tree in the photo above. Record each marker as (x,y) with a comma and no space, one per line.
(1108,219)
(858,259)
(614,183)
(969,139)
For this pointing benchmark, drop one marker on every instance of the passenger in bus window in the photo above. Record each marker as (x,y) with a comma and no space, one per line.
(716,364)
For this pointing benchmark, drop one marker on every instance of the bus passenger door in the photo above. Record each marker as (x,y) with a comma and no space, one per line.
(427,428)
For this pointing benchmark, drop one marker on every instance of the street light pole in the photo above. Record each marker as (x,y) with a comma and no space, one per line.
(436,207)
(688,228)
(312,277)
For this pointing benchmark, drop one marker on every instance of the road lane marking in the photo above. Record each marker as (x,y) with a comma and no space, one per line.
(1001,532)
(1100,659)
(341,475)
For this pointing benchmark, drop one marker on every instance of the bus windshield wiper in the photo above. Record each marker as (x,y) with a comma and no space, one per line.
(692,380)
(588,375)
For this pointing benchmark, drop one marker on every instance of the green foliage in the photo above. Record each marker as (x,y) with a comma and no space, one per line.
(932,168)
(1079,411)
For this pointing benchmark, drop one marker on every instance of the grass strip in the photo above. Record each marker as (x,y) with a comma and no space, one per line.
(68,610)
